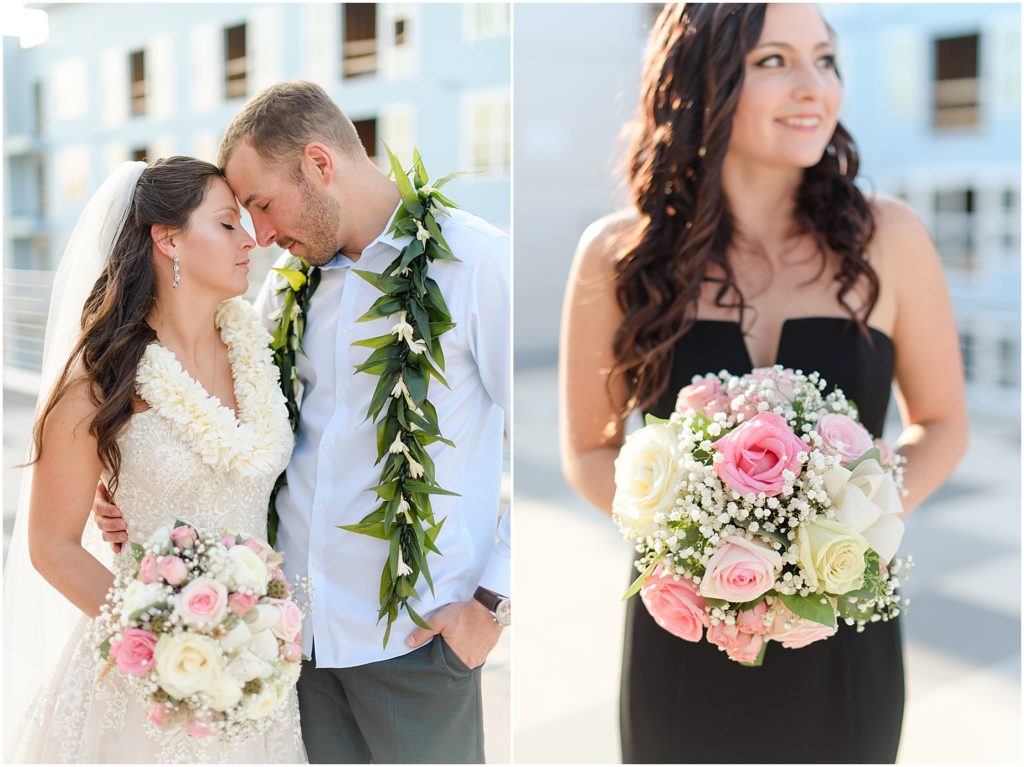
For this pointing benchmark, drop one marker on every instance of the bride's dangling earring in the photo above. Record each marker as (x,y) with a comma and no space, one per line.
(177,272)
(840,158)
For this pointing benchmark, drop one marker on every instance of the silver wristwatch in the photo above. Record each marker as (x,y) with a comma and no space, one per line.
(500,606)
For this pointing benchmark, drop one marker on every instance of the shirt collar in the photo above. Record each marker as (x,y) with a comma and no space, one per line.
(382,242)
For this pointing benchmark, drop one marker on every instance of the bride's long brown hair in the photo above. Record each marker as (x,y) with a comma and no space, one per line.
(691,85)
(114,328)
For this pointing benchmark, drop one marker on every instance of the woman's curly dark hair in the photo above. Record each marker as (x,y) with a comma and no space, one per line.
(691,86)
(115,331)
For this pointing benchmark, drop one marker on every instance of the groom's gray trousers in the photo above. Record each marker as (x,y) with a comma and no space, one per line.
(422,707)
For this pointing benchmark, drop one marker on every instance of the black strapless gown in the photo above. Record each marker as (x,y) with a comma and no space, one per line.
(836,701)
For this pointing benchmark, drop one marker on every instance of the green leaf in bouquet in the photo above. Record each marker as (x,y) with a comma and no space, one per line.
(638,584)
(759,660)
(810,608)
(105,649)
(138,552)
(653,419)
(874,454)
(775,535)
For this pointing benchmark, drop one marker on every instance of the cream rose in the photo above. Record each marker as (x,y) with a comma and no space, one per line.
(248,571)
(224,693)
(647,475)
(831,556)
(187,663)
(867,501)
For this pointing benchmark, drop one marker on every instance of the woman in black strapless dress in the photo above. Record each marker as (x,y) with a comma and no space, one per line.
(749,245)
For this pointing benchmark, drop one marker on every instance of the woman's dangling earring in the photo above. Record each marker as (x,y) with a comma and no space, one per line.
(840,158)
(177,272)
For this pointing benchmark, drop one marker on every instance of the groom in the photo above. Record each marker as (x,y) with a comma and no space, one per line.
(295,162)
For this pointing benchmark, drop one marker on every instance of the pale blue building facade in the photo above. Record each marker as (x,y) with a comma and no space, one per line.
(115,82)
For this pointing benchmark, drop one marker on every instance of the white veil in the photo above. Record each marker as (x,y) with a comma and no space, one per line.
(37,618)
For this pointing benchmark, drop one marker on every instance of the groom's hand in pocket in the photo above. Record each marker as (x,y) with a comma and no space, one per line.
(468,628)
(109,519)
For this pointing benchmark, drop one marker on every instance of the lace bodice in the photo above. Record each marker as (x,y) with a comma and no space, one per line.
(163,479)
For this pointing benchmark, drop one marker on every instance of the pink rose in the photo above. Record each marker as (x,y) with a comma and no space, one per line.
(184,537)
(290,622)
(843,437)
(886,452)
(756,453)
(738,645)
(752,621)
(228,541)
(674,605)
(740,571)
(158,714)
(203,603)
(148,572)
(134,651)
(800,633)
(292,652)
(706,395)
(172,570)
(197,730)
(240,603)
(253,545)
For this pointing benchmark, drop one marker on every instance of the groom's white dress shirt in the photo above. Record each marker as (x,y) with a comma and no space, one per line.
(332,468)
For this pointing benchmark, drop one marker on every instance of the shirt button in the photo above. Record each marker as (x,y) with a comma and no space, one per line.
(341,391)
(327,449)
(316,565)
(345,332)
(319,508)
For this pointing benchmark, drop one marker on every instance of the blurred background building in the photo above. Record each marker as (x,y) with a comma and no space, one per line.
(104,83)
(932,96)
(115,82)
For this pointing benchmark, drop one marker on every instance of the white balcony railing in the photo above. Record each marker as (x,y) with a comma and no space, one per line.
(26,302)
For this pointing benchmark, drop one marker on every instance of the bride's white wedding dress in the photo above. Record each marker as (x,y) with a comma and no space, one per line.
(186,458)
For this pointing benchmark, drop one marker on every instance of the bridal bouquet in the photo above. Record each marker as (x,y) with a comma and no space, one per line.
(206,629)
(763,511)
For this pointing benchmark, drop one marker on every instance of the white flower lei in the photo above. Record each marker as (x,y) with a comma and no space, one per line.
(260,439)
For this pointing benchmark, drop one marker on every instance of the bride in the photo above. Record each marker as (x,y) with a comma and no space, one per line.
(163,387)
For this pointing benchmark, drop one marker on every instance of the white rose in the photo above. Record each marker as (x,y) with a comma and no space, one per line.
(248,572)
(867,501)
(647,474)
(831,556)
(138,596)
(263,704)
(224,692)
(160,539)
(187,663)
(247,666)
(264,645)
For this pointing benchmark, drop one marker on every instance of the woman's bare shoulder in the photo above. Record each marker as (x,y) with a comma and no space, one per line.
(600,242)
(901,240)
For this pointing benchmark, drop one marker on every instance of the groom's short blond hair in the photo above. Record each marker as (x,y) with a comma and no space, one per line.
(282,119)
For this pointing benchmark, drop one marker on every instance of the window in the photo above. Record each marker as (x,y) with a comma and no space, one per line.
(487,132)
(1009,363)
(137,78)
(400,34)
(37,106)
(956,82)
(954,228)
(967,350)
(359,36)
(487,20)
(139,154)
(1010,204)
(236,64)
(367,131)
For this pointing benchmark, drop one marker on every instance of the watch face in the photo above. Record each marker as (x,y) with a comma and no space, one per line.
(503,612)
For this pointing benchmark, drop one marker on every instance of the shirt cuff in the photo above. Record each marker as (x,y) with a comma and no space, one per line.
(497,575)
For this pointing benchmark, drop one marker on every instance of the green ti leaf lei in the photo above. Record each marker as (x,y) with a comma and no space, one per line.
(303,280)
(404,360)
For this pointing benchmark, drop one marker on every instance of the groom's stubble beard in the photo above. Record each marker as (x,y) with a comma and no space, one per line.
(318,224)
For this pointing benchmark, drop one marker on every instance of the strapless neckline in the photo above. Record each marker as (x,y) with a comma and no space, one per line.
(789,321)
